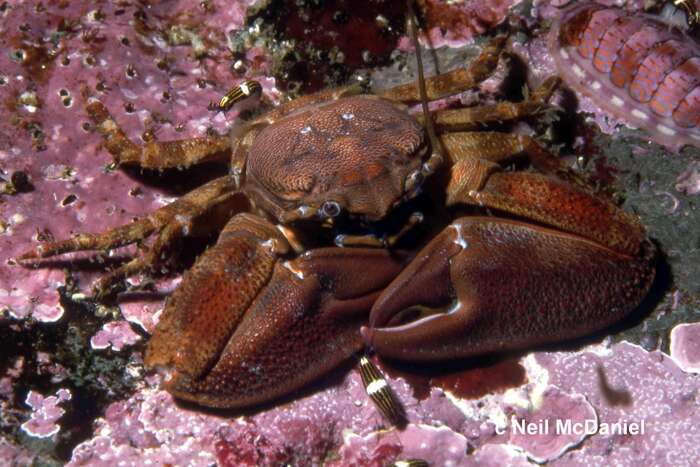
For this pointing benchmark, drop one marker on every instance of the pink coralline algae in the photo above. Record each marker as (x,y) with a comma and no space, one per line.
(541,432)
(156,67)
(626,384)
(634,67)
(45,413)
(454,24)
(339,426)
(446,447)
(115,334)
(685,346)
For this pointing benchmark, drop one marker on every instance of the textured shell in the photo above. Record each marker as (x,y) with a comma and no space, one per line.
(355,151)
(633,66)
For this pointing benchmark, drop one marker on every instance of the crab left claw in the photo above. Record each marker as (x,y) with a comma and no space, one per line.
(490,285)
(248,326)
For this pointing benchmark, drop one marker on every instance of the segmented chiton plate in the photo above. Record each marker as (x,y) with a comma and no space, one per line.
(634,66)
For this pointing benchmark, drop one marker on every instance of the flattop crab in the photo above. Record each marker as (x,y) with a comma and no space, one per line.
(271,307)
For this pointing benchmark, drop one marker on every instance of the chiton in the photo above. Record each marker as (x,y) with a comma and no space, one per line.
(633,66)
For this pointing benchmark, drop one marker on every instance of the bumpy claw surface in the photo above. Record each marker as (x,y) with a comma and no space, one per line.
(246,326)
(488,285)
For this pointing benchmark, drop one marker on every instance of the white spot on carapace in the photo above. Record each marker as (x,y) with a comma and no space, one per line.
(617,101)
(578,71)
(666,130)
(347,116)
(564,54)
(639,114)
(595,85)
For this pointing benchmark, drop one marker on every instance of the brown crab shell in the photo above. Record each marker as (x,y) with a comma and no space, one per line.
(355,151)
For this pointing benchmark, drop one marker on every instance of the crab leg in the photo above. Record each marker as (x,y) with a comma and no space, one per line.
(452,82)
(551,202)
(465,147)
(475,118)
(156,154)
(172,221)
(247,325)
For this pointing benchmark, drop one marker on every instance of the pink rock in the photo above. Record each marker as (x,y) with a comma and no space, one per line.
(685,347)
(557,425)
(16,296)
(626,384)
(45,413)
(147,82)
(115,334)
(436,445)
(496,455)
(339,421)
(455,24)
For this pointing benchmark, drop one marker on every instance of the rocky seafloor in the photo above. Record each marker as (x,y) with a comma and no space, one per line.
(72,385)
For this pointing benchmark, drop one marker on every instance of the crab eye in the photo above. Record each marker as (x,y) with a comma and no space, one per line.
(330,209)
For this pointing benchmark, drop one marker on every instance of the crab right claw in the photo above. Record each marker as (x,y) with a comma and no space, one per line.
(489,285)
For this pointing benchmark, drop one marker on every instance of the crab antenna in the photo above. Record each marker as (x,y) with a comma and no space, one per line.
(434,141)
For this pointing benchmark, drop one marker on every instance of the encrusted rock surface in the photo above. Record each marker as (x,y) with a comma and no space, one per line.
(72,385)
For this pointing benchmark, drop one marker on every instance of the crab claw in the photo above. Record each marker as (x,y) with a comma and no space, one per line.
(246,326)
(487,285)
